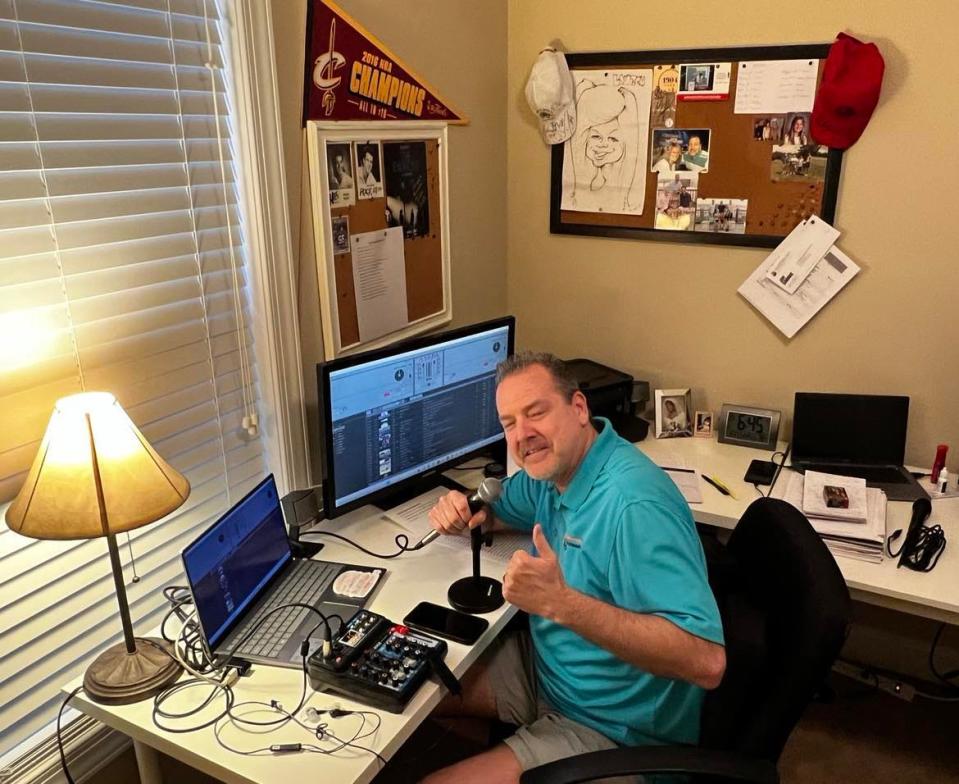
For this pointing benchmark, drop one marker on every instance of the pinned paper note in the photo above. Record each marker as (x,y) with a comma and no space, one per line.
(791,312)
(797,255)
(776,86)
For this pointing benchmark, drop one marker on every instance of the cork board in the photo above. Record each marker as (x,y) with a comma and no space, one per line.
(741,166)
(341,213)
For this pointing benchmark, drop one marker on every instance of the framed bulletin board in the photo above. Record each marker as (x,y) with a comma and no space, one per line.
(694,145)
(381,230)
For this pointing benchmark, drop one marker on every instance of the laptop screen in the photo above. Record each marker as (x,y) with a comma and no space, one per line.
(230,564)
(856,429)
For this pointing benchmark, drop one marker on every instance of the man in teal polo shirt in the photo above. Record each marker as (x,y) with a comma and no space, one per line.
(624,630)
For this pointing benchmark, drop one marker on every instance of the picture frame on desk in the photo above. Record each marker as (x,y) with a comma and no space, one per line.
(673,413)
(703,424)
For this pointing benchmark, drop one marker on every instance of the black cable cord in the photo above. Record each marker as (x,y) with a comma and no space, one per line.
(948,678)
(166,694)
(779,468)
(63,756)
(402,541)
(924,551)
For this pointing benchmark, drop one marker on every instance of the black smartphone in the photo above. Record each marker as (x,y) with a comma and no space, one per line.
(444,622)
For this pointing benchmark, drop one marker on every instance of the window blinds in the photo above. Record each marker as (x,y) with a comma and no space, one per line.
(117,222)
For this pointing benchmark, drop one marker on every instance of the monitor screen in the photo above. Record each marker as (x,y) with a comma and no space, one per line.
(393,414)
(230,563)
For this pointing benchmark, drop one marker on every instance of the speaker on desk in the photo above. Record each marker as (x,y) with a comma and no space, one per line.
(302,509)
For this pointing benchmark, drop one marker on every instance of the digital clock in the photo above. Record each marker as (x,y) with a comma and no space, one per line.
(749,426)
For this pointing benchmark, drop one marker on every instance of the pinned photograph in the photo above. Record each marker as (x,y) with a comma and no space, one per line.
(673,413)
(341,235)
(768,129)
(680,149)
(407,191)
(796,130)
(704,81)
(339,168)
(604,162)
(704,424)
(665,86)
(676,201)
(721,216)
(369,171)
(791,163)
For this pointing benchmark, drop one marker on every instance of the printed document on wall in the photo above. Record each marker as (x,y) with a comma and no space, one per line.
(791,312)
(379,278)
(776,86)
(605,161)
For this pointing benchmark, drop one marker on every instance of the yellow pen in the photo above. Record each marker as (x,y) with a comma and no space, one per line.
(719,486)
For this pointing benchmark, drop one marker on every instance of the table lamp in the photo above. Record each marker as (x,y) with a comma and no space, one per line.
(96,475)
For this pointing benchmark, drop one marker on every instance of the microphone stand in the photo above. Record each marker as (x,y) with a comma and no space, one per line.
(476,594)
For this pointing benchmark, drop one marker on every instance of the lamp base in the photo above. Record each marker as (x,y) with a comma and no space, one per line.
(476,594)
(117,677)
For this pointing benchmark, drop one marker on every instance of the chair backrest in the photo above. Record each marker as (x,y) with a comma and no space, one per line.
(786,611)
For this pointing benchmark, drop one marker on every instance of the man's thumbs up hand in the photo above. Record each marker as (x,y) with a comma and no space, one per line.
(535,583)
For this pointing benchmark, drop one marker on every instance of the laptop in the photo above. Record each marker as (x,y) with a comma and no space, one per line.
(855,435)
(242,567)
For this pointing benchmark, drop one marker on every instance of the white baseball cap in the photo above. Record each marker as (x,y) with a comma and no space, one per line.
(551,95)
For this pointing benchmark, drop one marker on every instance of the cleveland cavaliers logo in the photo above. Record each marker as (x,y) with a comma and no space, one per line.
(324,72)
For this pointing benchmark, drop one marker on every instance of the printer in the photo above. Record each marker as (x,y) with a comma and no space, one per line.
(609,393)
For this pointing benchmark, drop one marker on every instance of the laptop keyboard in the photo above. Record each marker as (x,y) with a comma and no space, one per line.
(305,583)
(869,473)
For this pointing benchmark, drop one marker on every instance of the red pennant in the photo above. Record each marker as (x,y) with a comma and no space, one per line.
(352,76)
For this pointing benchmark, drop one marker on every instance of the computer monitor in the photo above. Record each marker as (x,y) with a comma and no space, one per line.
(394,418)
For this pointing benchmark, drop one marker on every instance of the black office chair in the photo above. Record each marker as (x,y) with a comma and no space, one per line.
(785,610)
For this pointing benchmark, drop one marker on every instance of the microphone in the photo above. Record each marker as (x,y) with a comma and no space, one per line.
(489,491)
(921,509)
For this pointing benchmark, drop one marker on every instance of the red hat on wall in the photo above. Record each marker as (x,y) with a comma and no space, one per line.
(848,92)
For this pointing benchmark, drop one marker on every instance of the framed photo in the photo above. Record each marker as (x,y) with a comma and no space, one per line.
(703,424)
(673,413)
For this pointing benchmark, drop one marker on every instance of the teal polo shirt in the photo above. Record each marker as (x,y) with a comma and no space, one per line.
(623,534)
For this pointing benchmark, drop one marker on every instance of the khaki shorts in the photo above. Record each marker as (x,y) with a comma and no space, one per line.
(544,734)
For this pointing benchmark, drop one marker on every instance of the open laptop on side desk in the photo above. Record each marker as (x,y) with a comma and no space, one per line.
(855,435)
(241,570)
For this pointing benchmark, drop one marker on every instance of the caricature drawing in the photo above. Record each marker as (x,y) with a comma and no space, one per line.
(602,170)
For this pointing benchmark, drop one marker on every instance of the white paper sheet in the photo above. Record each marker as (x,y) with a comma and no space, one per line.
(687,480)
(775,86)
(789,313)
(796,256)
(379,278)
(505,543)
(605,161)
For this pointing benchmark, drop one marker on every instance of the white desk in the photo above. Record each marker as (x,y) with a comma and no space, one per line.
(932,594)
(427,574)
(413,577)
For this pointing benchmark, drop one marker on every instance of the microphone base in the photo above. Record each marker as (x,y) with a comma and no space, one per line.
(476,595)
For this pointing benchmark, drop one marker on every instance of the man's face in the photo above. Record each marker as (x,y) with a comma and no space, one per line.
(547,435)
(367,162)
(694,145)
(605,144)
(674,152)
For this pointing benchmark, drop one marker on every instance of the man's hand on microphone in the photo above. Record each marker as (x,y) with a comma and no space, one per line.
(451,514)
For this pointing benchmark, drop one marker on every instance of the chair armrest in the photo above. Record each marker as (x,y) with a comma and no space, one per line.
(689,760)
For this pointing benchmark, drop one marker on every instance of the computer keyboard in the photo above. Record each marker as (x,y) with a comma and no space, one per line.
(869,473)
(305,583)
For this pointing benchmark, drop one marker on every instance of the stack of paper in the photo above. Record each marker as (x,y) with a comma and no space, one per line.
(863,541)
(823,495)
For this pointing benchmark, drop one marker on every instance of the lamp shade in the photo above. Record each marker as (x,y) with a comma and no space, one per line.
(95,474)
